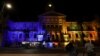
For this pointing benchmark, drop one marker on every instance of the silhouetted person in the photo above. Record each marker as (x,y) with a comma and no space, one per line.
(71,49)
(89,47)
(75,49)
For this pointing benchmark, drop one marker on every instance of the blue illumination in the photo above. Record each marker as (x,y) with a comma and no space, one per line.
(40,37)
(32,36)
(16,36)
(49,45)
(16,32)
(24,26)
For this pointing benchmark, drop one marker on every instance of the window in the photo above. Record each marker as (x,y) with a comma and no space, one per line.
(13,35)
(35,37)
(91,35)
(52,26)
(44,26)
(52,35)
(53,38)
(20,36)
(57,37)
(90,28)
(48,37)
(76,35)
(60,26)
(56,26)
(69,35)
(48,26)
(68,28)
(60,20)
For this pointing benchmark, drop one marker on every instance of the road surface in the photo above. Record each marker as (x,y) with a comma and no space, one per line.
(36,52)
(40,54)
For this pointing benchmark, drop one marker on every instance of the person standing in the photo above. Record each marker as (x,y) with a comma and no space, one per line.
(75,51)
(89,48)
(70,48)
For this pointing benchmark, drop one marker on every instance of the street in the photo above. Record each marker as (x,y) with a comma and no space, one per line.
(36,52)
(98,54)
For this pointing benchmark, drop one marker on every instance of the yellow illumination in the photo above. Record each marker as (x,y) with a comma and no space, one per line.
(66,37)
(66,43)
(93,39)
(79,39)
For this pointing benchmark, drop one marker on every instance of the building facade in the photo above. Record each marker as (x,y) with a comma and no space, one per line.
(51,31)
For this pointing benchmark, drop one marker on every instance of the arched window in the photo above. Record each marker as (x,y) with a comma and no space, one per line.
(13,35)
(56,26)
(44,27)
(53,37)
(52,26)
(76,35)
(57,37)
(91,35)
(60,26)
(20,36)
(69,35)
(90,28)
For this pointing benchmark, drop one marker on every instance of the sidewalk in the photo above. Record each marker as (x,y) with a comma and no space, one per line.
(45,51)
(40,54)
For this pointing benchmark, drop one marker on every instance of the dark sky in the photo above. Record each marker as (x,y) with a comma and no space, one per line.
(28,10)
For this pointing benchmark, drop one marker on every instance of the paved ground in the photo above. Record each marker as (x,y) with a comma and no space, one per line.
(33,54)
(40,55)
(37,52)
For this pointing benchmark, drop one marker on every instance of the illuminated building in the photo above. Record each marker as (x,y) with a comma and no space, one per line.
(52,30)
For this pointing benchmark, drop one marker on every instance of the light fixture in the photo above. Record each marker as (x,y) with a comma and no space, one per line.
(50,5)
(8,5)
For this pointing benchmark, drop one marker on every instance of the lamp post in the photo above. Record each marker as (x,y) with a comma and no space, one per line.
(5,6)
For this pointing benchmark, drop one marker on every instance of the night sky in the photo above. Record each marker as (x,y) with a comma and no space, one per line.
(28,10)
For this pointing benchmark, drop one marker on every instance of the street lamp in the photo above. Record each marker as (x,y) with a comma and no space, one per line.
(50,5)
(5,6)
(8,5)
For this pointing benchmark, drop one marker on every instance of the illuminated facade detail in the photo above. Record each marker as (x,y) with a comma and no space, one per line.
(49,45)
(90,35)
(16,36)
(52,30)
(75,35)
(22,32)
(55,44)
(66,43)
(40,37)
(66,37)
